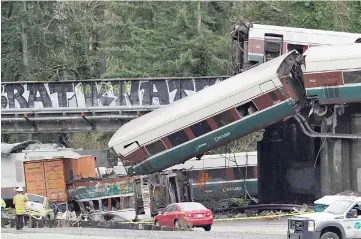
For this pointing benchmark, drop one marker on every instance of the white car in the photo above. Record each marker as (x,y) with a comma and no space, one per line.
(340,220)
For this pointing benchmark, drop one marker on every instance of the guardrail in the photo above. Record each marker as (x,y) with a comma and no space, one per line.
(79,109)
(70,119)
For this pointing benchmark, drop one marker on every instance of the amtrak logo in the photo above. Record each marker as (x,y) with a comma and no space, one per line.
(357,225)
(222,136)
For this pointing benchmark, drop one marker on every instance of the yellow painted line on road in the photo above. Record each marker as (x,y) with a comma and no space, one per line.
(241,218)
(260,217)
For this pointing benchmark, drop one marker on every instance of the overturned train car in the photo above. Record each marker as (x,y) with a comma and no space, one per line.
(213,117)
(129,198)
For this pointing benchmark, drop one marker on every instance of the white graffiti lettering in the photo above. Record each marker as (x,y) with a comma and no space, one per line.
(100,93)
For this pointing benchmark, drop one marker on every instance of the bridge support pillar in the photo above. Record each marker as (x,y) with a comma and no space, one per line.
(341,158)
(286,162)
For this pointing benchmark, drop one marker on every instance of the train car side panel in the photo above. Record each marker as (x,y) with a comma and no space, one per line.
(231,132)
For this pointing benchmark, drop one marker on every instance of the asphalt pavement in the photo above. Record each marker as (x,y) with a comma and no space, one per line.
(247,229)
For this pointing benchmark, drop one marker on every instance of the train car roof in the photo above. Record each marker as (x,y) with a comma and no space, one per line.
(305,30)
(327,53)
(207,96)
(330,58)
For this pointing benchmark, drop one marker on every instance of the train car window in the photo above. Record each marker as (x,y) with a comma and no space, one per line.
(274,97)
(96,205)
(128,202)
(213,175)
(116,203)
(272,46)
(178,138)
(246,109)
(352,77)
(155,147)
(297,47)
(223,119)
(201,128)
(240,173)
(194,176)
(105,204)
(282,91)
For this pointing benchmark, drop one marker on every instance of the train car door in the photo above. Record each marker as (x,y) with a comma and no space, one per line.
(273,44)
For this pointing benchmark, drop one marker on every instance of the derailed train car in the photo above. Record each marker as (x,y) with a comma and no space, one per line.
(213,117)
(332,74)
(217,179)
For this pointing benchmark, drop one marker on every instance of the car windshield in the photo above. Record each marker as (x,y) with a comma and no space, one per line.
(34,198)
(338,207)
(192,206)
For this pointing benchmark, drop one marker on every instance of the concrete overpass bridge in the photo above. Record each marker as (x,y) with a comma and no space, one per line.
(91,105)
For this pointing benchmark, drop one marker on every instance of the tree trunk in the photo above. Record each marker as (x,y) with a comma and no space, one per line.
(199,17)
(98,39)
(24,41)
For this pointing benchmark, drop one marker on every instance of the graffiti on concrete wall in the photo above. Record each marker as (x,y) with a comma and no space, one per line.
(100,93)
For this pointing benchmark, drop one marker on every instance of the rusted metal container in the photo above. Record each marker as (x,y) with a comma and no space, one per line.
(35,178)
(83,167)
(55,181)
(46,178)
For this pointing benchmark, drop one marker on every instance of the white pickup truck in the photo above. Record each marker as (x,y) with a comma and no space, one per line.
(340,220)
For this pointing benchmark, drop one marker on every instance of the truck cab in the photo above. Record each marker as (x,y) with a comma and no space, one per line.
(340,220)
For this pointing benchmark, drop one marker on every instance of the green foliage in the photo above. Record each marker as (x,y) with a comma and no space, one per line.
(355,16)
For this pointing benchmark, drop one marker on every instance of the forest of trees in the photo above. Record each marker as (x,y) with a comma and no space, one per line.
(55,41)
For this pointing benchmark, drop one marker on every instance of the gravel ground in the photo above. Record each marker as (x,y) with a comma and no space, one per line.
(235,229)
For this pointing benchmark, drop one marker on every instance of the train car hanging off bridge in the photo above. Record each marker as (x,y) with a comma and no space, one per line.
(240,105)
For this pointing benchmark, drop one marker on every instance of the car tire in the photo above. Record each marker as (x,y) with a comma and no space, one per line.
(49,216)
(329,235)
(207,228)
(177,224)
(156,223)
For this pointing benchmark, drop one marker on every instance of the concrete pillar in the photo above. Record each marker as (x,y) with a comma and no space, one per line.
(355,171)
(286,158)
(341,158)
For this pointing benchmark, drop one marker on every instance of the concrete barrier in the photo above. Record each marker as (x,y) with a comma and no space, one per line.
(2,222)
(146,227)
(156,228)
(33,223)
(12,223)
(85,223)
(49,223)
(165,228)
(40,223)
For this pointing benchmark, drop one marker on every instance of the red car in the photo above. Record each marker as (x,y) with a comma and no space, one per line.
(186,213)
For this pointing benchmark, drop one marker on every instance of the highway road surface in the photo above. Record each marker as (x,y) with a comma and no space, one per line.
(250,229)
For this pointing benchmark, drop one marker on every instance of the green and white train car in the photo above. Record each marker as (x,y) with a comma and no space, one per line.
(222,176)
(215,116)
(332,74)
